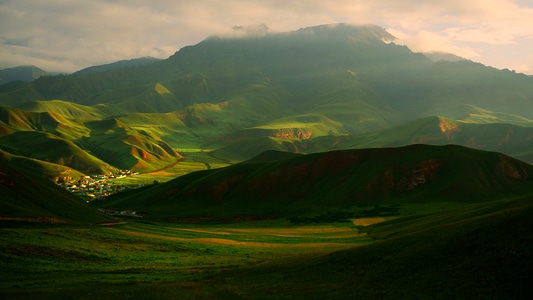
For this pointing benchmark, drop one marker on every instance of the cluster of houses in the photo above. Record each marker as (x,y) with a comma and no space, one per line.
(98,187)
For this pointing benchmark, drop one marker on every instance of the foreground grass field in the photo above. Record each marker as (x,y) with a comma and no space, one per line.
(111,261)
(432,251)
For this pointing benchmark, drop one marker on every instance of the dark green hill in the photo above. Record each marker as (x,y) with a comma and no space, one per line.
(51,171)
(21,73)
(315,183)
(28,197)
(50,148)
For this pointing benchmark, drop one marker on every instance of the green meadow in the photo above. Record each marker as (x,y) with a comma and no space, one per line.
(133,256)
(422,250)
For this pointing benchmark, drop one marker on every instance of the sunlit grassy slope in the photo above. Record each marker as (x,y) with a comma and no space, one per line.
(50,148)
(41,168)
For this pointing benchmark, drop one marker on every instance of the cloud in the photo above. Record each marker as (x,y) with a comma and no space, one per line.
(71,34)
(426,41)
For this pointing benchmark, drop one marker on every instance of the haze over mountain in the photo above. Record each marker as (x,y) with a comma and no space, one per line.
(314,89)
(21,73)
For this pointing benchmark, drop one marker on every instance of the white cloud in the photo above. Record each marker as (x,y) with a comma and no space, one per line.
(70,34)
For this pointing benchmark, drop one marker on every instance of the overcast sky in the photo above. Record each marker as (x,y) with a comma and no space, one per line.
(68,35)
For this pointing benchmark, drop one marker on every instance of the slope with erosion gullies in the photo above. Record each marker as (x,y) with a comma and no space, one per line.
(138,146)
(127,148)
(27,197)
(335,180)
(513,140)
(299,127)
(13,120)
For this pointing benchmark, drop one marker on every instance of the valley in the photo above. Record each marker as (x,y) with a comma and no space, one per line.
(325,162)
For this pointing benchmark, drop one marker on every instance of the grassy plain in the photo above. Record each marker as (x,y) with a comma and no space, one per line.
(431,250)
(138,259)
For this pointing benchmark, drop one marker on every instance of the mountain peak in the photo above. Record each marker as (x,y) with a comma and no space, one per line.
(344,29)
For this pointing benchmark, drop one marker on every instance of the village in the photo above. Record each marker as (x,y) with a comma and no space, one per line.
(98,187)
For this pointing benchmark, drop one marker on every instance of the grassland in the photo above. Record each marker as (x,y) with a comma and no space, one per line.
(422,251)
(124,260)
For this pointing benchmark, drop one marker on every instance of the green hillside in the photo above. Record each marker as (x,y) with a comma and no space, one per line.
(27,197)
(51,171)
(116,65)
(316,183)
(50,148)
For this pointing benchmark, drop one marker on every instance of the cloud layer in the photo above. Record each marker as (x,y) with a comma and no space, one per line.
(67,35)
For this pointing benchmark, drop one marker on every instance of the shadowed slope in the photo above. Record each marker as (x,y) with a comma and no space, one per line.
(316,182)
(27,197)
(50,148)
(482,252)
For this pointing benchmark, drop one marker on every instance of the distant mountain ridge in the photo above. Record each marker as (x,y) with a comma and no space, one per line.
(21,73)
(116,65)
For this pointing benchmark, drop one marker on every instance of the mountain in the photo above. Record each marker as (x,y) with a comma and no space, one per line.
(21,73)
(27,197)
(119,64)
(316,183)
(315,89)
(438,56)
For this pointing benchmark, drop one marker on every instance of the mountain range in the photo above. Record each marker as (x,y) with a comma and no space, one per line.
(321,88)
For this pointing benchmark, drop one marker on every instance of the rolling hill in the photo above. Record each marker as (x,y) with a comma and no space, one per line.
(28,197)
(316,183)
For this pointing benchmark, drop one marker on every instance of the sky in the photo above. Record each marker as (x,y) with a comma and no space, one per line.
(69,35)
